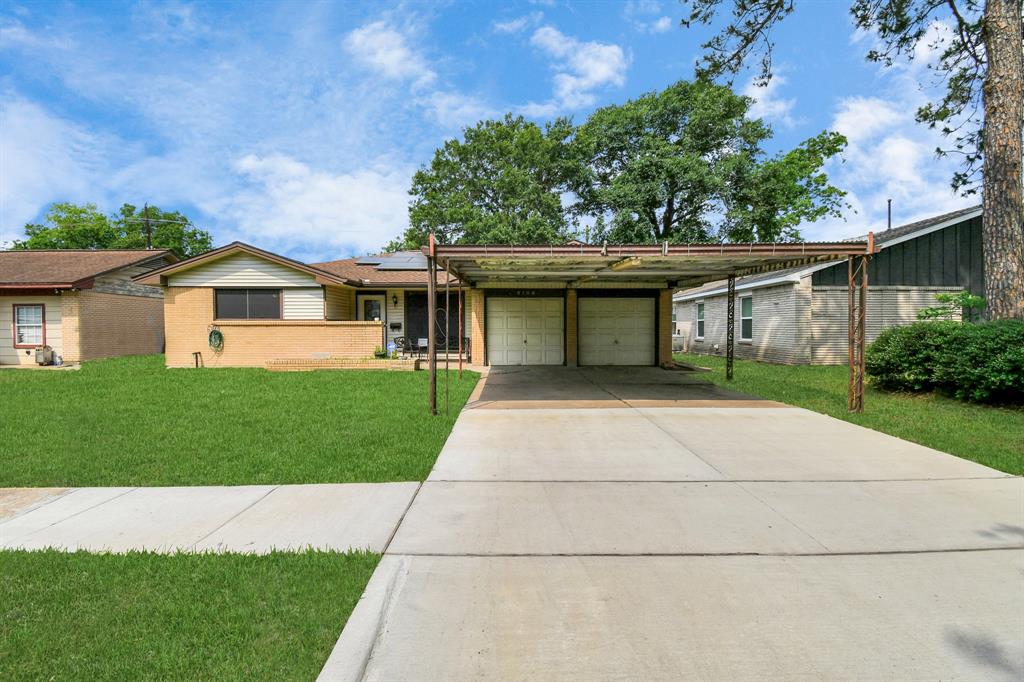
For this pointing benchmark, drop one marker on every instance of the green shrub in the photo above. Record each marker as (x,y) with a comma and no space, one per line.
(904,358)
(983,362)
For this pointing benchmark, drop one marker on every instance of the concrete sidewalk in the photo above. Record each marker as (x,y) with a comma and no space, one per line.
(735,542)
(254,519)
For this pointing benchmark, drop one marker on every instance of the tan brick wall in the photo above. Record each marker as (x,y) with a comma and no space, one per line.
(188,312)
(571,345)
(476,332)
(665,326)
(69,313)
(112,325)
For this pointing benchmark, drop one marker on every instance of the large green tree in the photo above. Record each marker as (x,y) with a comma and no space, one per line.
(74,226)
(686,164)
(501,183)
(980,108)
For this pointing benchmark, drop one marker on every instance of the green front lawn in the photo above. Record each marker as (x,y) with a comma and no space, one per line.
(87,616)
(991,436)
(131,422)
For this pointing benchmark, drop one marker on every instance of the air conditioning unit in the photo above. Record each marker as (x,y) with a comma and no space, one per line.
(44,355)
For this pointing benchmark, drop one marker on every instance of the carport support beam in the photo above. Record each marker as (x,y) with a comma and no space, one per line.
(432,323)
(857,300)
(730,328)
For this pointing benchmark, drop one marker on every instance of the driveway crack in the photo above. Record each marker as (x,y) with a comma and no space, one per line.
(783,516)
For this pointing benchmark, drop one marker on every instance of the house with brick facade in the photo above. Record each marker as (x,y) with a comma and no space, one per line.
(798,315)
(267,307)
(520,305)
(84,304)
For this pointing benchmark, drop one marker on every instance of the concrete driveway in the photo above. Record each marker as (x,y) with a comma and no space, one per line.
(582,525)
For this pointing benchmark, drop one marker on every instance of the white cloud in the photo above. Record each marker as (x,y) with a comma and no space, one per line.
(518,24)
(661,25)
(645,16)
(384,49)
(767,103)
(889,156)
(291,206)
(44,158)
(453,110)
(15,34)
(580,68)
(861,118)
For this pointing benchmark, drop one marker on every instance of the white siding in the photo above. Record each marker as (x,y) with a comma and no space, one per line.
(340,303)
(9,355)
(303,304)
(394,312)
(886,307)
(241,270)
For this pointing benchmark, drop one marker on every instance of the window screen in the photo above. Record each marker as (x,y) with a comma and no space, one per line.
(231,304)
(248,304)
(28,325)
(700,320)
(264,304)
(747,318)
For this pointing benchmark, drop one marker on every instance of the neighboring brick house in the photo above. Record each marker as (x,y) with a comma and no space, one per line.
(799,315)
(84,304)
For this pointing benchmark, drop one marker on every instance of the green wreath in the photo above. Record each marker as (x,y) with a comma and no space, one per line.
(216,340)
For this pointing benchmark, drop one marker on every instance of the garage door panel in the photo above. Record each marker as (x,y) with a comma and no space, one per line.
(616,331)
(525,331)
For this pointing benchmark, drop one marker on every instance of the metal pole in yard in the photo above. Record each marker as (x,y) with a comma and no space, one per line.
(460,326)
(447,330)
(432,323)
(850,335)
(730,328)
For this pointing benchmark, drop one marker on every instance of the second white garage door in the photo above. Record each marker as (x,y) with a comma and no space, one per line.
(525,331)
(616,331)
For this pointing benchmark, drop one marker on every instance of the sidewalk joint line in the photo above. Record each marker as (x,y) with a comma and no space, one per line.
(538,555)
(237,514)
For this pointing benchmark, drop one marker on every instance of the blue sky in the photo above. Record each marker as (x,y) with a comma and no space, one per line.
(297,126)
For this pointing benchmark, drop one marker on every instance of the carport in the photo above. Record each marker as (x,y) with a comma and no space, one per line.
(612,304)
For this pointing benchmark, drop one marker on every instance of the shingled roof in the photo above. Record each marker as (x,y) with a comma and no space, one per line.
(68,268)
(400,269)
(882,240)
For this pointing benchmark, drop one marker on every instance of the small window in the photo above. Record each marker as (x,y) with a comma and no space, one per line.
(746,318)
(700,320)
(248,304)
(29,326)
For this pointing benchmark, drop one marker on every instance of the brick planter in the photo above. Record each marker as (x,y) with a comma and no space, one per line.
(307,365)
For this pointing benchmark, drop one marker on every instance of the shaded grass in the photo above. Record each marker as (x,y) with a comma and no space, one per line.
(130,421)
(992,436)
(188,616)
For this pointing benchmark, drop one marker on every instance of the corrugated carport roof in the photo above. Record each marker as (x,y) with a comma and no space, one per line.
(683,265)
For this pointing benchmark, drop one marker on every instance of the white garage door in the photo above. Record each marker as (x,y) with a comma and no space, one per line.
(524,331)
(616,331)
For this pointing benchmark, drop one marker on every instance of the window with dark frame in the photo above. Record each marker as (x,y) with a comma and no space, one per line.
(700,320)
(29,325)
(747,318)
(248,304)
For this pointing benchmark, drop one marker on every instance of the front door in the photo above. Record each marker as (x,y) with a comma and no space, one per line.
(416,324)
(371,308)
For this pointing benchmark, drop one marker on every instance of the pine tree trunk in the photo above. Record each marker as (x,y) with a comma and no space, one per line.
(1003,205)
